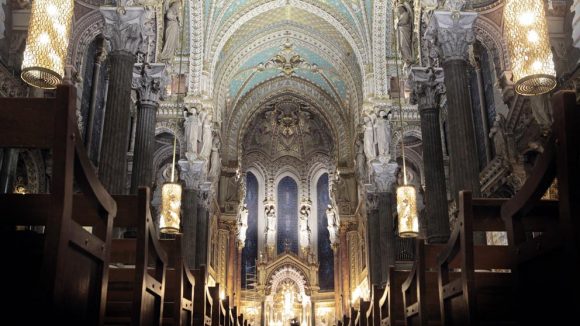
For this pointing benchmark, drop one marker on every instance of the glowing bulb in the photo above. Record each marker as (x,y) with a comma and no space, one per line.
(43,38)
(51,10)
(526,18)
(222,296)
(533,36)
(537,65)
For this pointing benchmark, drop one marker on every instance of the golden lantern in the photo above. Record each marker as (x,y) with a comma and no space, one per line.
(47,43)
(407,211)
(170,202)
(526,33)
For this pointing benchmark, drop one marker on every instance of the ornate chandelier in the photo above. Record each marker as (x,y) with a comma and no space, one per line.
(47,43)
(526,32)
(170,202)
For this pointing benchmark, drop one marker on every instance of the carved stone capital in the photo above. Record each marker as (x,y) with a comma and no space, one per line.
(452,33)
(384,176)
(123,28)
(191,173)
(427,86)
(149,82)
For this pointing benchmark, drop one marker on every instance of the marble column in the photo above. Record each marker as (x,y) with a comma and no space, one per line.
(427,88)
(123,33)
(148,81)
(386,234)
(373,234)
(189,225)
(452,32)
(201,245)
(231,273)
(344,266)
(96,86)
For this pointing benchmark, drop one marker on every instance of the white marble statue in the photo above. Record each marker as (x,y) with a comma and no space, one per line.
(207,137)
(270,233)
(171,35)
(243,224)
(304,228)
(383,134)
(215,161)
(191,125)
(360,160)
(404,23)
(369,138)
(333,224)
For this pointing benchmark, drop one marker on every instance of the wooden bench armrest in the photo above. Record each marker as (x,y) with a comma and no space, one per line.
(89,182)
(451,248)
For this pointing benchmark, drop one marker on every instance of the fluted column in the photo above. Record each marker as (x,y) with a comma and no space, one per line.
(452,32)
(189,225)
(96,87)
(427,88)
(201,245)
(373,236)
(123,32)
(344,267)
(386,234)
(148,80)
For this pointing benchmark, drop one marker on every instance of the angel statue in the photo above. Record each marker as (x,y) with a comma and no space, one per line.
(171,36)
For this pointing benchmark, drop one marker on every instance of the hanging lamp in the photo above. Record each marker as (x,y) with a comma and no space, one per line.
(408,220)
(526,33)
(47,43)
(170,202)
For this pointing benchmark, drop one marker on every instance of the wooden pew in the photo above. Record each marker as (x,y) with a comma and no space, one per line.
(202,300)
(58,276)
(234,316)
(218,312)
(482,292)
(373,313)
(178,304)
(390,302)
(136,289)
(420,292)
(546,267)
(361,313)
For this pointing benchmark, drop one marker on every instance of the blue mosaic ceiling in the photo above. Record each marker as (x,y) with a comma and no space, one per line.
(286,17)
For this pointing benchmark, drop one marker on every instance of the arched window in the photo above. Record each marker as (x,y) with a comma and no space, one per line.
(287,224)
(325,254)
(250,251)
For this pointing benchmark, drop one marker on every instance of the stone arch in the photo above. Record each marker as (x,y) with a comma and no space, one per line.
(86,29)
(291,272)
(491,37)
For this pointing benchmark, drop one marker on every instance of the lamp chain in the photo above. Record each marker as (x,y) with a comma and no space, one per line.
(396,40)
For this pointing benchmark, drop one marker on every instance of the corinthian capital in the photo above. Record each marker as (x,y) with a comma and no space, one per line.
(123,28)
(148,81)
(427,86)
(452,32)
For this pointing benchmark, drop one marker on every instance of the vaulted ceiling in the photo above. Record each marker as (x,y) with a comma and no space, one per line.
(321,48)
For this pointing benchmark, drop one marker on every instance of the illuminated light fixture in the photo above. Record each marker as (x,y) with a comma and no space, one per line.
(47,43)
(222,295)
(170,202)
(526,33)
(408,224)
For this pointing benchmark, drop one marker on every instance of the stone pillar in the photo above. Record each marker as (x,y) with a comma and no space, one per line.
(201,246)
(344,267)
(96,86)
(427,88)
(386,234)
(452,32)
(123,32)
(373,236)
(189,225)
(148,81)
(238,300)
(337,285)
(231,273)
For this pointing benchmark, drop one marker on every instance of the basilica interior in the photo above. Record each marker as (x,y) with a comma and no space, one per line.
(290,162)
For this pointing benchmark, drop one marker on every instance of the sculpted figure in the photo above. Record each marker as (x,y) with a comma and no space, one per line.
(369,139)
(382,130)
(207,138)
(404,14)
(215,161)
(171,36)
(497,134)
(191,125)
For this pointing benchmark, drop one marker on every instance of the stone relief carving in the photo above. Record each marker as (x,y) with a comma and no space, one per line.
(123,28)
